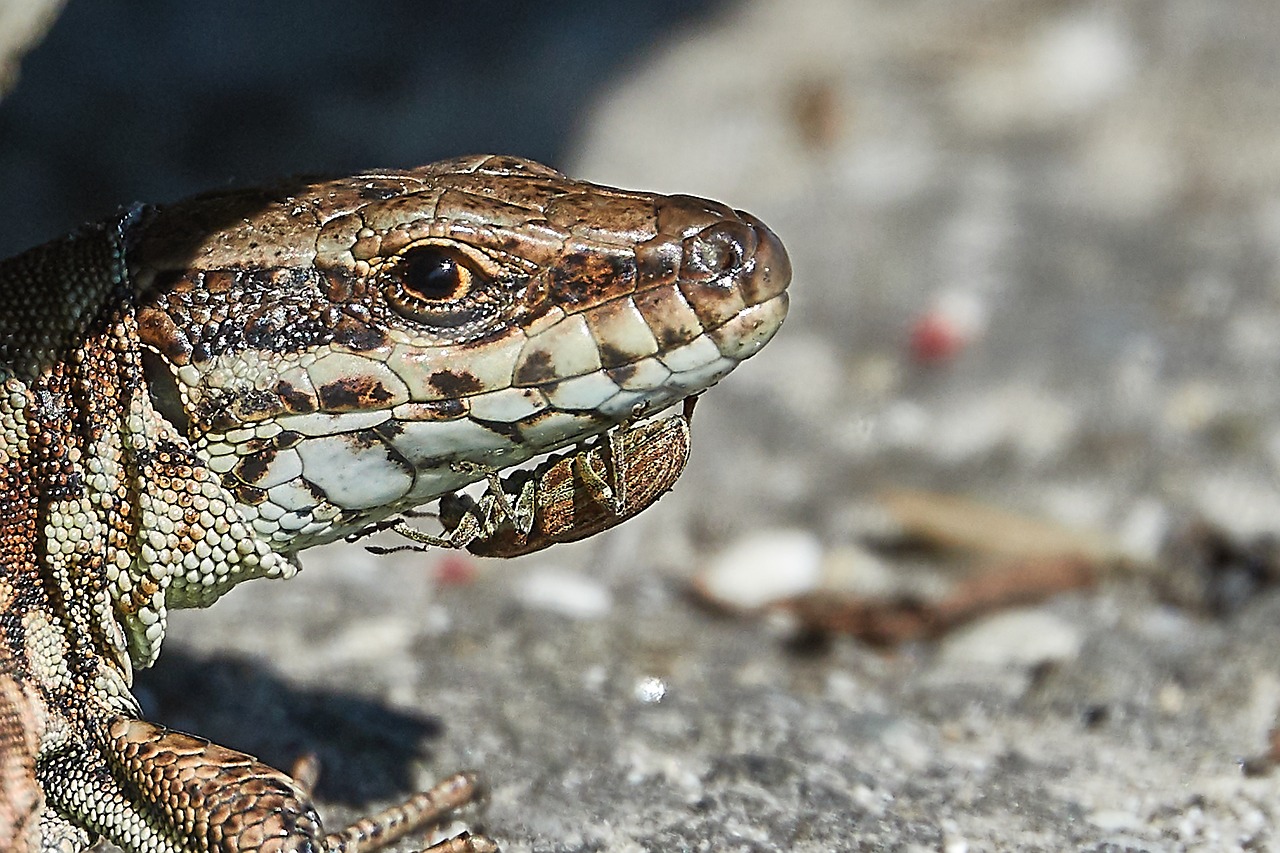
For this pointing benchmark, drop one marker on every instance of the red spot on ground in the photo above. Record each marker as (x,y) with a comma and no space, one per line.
(936,338)
(455,569)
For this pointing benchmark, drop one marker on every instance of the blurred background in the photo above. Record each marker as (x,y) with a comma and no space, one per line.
(978,554)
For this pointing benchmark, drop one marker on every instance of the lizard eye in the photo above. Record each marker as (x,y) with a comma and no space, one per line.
(434,274)
(440,286)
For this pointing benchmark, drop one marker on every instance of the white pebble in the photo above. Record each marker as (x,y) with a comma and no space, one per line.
(1013,638)
(763,567)
(567,593)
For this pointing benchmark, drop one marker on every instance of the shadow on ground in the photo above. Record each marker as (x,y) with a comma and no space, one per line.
(367,750)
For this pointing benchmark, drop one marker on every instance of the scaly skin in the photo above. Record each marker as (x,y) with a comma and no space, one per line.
(194,394)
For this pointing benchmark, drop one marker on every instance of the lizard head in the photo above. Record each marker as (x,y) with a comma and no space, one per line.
(343,350)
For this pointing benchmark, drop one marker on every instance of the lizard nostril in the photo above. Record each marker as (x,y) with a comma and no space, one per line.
(716,252)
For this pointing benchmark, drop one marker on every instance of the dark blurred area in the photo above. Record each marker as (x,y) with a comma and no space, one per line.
(128,100)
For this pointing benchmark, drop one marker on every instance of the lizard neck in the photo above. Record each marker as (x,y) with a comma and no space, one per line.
(58,411)
(108,506)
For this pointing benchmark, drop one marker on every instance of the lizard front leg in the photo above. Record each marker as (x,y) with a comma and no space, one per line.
(153,790)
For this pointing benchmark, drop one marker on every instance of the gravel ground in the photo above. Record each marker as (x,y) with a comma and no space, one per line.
(1035,245)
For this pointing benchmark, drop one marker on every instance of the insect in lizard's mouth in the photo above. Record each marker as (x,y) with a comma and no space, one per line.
(560,497)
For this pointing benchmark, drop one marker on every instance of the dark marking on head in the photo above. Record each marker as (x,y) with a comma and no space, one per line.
(538,368)
(253,445)
(455,383)
(389,430)
(582,279)
(507,430)
(158,330)
(295,400)
(212,411)
(612,356)
(253,467)
(622,374)
(670,319)
(357,335)
(287,439)
(315,492)
(246,494)
(365,439)
(353,394)
(670,337)
(448,410)
(253,405)
(337,288)
(281,330)
(435,410)
(543,414)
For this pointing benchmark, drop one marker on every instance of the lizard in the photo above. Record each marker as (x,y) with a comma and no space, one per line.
(195,393)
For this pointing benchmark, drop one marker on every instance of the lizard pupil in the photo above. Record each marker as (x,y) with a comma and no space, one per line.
(434,274)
